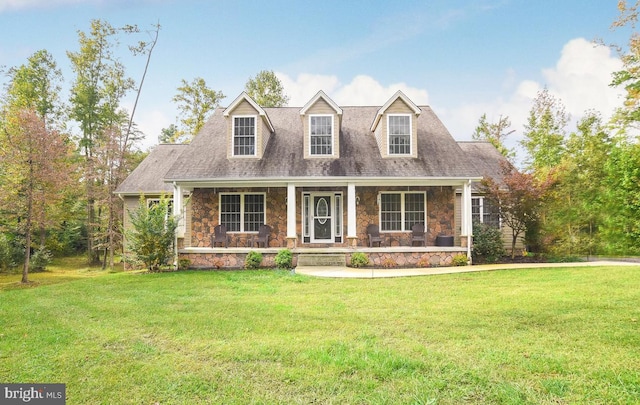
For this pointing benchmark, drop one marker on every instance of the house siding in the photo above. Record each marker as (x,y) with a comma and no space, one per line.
(262,130)
(324,108)
(381,133)
(505,230)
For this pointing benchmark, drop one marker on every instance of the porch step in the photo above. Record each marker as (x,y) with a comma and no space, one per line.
(322,259)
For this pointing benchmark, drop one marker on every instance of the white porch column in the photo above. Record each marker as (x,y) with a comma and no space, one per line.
(351,211)
(291,211)
(467,221)
(178,210)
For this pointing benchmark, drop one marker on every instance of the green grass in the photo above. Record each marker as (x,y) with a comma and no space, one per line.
(528,336)
(59,271)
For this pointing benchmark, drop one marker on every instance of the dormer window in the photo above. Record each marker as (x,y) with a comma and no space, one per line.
(399,134)
(321,135)
(248,129)
(244,135)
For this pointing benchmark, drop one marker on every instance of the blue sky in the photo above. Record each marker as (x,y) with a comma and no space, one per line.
(462,57)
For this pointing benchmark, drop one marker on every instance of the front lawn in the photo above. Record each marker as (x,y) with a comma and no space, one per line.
(521,336)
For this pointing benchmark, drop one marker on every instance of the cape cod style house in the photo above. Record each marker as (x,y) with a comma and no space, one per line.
(324,179)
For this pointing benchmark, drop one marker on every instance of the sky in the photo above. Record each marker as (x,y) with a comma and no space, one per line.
(464,58)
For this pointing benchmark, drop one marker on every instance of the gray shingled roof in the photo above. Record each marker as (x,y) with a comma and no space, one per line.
(484,157)
(149,176)
(439,155)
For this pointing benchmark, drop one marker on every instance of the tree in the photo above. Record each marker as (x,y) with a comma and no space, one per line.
(34,167)
(36,86)
(196,102)
(574,211)
(266,90)
(99,85)
(629,76)
(622,204)
(152,236)
(544,133)
(107,131)
(495,133)
(518,198)
(169,134)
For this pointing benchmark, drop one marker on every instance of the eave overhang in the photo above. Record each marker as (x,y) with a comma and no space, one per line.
(325,181)
(245,97)
(398,95)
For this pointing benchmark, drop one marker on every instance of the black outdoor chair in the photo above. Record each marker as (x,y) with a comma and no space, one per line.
(220,236)
(417,234)
(262,237)
(373,232)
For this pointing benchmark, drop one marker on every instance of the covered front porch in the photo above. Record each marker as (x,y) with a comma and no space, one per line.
(326,216)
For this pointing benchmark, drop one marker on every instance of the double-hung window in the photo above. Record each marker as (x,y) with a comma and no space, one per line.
(242,212)
(244,136)
(153,202)
(484,211)
(399,128)
(321,135)
(400,211)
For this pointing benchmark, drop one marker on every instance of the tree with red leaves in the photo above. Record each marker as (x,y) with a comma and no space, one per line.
(519,198)
(34,168)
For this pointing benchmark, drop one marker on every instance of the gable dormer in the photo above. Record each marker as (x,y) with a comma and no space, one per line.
(321,118)
(248,128)
(395,127)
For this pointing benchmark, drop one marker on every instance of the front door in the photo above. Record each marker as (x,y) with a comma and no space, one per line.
(322,228)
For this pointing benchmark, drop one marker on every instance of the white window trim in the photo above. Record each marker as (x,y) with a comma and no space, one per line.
(233,135)
(481,213)
(402,212)
(332,135)
(264,214)
(410,153)
(151,201)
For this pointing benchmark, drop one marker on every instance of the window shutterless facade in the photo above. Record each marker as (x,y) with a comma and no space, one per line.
(400,211)
(321,135)
(482,210)
(244,136)
(399,132)
(151,202)
(242,212)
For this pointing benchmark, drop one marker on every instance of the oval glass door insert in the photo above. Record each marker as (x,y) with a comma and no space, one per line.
(322,210)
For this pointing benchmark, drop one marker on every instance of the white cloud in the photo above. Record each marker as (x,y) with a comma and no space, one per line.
(150,122)
(580,79)
(362,90)
(582,76)
(305,86)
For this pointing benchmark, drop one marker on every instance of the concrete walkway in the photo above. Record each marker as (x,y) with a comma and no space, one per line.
(349,272)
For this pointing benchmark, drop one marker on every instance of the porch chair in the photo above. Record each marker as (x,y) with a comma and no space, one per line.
(220,236)
(262,237)
(373,232)
(417,234)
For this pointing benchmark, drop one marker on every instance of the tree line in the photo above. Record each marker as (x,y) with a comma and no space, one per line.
(61,158)
(578,192)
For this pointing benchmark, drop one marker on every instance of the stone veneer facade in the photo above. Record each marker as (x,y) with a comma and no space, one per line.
(205,216)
